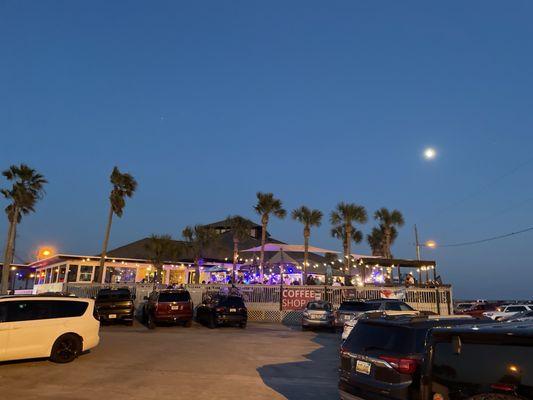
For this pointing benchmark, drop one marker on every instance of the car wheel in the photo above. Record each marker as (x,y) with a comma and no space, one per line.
(188,323)
(212,324)
(304,328)
(242,325)
(129,323)
(65,349)
(150,323)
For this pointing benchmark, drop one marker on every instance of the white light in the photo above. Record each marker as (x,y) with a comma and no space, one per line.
(430,153)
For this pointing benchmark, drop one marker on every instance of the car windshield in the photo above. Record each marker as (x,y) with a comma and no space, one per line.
(319,306)
(358,306)
(391,338)
(170,297)
(114,295)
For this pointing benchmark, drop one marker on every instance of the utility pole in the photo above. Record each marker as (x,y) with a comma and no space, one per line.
(417,244)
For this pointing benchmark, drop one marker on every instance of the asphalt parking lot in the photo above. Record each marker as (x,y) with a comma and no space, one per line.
(264,361)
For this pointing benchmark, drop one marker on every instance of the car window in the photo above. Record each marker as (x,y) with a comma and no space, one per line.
(395,339)
(169,297)
(482,364)
(231,301)
(29,310)
(515,308)
(313,305)
(121,294)
(397,306)
(359,306)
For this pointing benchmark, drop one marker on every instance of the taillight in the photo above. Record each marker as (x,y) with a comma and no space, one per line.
(220,309)
(402,365)
(343,352)
(503,387)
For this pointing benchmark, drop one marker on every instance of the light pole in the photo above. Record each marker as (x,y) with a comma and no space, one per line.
(429,243)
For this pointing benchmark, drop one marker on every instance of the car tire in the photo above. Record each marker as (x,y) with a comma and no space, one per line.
(242,325)
(150,323)
(66,348)
(188,323)
(304,328)
(212,324)
(129,323)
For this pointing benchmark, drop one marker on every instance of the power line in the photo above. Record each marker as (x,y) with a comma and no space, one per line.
(488,239)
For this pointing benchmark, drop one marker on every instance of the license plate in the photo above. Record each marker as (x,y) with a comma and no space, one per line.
(112,316)
(232,310)
(175,307)
(363,367)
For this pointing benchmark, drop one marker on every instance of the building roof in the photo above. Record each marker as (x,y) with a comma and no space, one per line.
(224,224)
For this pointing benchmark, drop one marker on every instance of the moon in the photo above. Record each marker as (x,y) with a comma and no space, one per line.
(430,153)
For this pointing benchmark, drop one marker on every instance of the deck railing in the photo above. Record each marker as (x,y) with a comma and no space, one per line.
(264,302)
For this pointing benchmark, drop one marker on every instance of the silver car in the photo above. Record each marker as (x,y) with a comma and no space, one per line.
(318,314)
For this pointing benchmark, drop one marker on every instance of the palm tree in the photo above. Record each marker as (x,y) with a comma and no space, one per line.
(161,248)
(344,215)
(240,228)
(124,185)
(197,239)
(267,204)
(376,239)
(308,218)
(27,189)
(388,221)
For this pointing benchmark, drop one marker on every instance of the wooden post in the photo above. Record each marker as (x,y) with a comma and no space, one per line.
(437,294)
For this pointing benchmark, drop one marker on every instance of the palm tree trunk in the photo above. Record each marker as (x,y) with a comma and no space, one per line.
(347,257)
(235,258)
(8,254)
(263,242)
(196,270)
(306,254)
(158,269)
(104,246)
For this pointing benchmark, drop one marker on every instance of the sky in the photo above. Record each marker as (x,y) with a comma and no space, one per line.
(208,102)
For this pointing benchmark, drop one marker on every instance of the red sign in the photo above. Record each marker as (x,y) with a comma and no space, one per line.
(293,298)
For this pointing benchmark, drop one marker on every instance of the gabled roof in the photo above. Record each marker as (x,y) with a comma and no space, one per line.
(224,224)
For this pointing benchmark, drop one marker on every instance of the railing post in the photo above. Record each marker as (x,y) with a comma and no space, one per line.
(437,294)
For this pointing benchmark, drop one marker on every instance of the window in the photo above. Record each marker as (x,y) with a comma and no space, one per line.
(358,306)
(55,272)
(86,272)
(72,273)
(62,273)
(30,310)
(232,301)
(48,275)
(169,297)
(113,294)
(120,274)
(316,305)
(397,306)
(515,309)
(396,339)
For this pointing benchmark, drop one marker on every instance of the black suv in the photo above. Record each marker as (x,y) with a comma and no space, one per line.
(382,356)
(115,305)
(222,310)
(486,362)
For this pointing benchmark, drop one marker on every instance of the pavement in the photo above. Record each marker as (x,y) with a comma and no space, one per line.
(263,361)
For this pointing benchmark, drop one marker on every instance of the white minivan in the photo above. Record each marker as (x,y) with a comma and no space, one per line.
(59,328)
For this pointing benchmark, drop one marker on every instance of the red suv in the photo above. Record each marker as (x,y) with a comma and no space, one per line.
(168,306)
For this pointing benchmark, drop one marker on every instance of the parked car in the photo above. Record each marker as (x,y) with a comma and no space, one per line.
(381,357)
(58,328)
(460,307)
(222,310)
(479,309)
(486,362)
(524,316)
(168,306)
(349,325)
(507,311)
(115,305)
(351,308)
(318,314)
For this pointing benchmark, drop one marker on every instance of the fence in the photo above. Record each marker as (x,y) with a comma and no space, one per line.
(265,303)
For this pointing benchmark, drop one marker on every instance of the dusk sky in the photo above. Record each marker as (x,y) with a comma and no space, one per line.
(206,103)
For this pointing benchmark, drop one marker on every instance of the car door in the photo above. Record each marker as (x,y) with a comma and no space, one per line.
(4,330)
(32,329)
